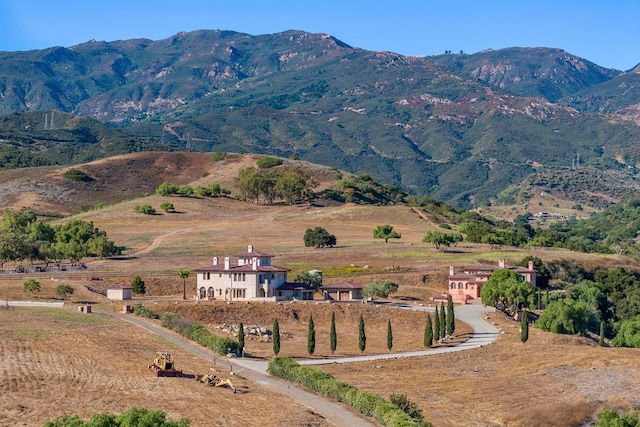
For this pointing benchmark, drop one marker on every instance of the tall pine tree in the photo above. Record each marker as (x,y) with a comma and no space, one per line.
(362,337)
(524,329)
(276,337)
(241,337)
(451,319)
(428,332)
(389,336)
(333,336)
(601,340)
(311,336)
(436,325)
(443,321)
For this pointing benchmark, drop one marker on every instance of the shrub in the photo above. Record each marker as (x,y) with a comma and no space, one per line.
(137,286)
(31,285)
(143,311)
(63,290)
(629,334)
(268,162)
(145,209)
(132,417)
(199,334)
(76,175)
(166,206)
(371,404)
(216,157)
(166,189)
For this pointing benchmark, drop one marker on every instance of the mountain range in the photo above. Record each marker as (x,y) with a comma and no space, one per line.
(470,130)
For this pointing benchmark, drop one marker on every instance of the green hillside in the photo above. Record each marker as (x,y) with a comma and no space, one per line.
(442,130)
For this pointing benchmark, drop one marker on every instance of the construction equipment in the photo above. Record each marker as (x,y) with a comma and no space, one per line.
(163,365)
(212,380)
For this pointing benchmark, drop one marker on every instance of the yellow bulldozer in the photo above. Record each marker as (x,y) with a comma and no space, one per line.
(211,379)
(163,365)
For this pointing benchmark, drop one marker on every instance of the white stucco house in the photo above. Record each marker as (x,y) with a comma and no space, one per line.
(252,278)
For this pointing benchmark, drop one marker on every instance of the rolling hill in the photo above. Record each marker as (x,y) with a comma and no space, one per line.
(459,128)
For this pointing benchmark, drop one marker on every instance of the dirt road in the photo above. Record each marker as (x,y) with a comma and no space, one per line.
(332,411)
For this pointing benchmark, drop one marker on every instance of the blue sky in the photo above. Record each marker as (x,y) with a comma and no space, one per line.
(606,32)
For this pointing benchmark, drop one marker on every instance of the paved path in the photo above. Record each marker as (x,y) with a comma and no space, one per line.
(470,314)
(331,411)
(257,370)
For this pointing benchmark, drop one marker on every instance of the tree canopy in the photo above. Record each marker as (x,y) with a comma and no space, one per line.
(291,184)
(440,239)
(318,238)
(23,236)
(564,316)
(385,232)
(507,290)
(379,289)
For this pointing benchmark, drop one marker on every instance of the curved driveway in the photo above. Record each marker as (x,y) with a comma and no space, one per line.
(257,370)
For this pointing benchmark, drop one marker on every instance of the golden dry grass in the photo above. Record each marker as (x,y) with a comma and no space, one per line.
(51,366)
(551,380)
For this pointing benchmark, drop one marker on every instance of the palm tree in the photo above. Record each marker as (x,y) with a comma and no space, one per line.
(184,274)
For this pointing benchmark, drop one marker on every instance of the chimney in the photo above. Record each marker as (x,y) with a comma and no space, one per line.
(530,265)
(501,263)
(452,271)
(227,263)
(215,260)
(250,249)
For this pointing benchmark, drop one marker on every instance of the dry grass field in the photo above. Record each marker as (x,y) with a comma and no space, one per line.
(56,362)
(82,364)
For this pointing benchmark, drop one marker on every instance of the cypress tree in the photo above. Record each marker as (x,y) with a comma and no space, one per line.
(241,336)
(389,335)
(333,336)
(451,320)
(601,341)
(539,299)
(362,338)
(436,325)
(276,337)
(443,321)
(524,330)
(428,332)
(311,337)
(546,298)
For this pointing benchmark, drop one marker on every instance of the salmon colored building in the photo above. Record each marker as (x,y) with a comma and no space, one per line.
(468,284)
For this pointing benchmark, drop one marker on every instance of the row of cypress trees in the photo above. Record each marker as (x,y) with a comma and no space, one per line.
(443,325)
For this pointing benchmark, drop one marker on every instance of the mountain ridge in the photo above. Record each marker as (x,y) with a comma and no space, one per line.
(430,127)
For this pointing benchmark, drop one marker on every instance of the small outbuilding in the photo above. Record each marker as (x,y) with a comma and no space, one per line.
(121,293)
(295,291)
(342,291)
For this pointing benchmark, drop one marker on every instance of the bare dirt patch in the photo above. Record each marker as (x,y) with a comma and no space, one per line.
(51,366)
(552,380)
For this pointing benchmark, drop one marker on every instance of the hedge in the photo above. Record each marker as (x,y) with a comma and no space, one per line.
(198,333)
(369,404)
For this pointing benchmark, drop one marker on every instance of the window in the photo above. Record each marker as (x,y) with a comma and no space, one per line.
(239,293)
(453,286)
(244,277)
(206,276)
(466,286)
